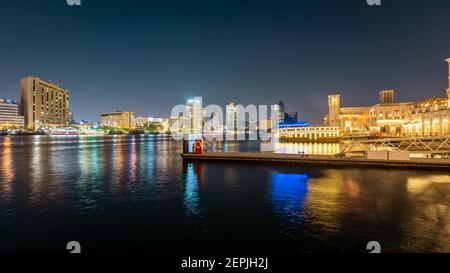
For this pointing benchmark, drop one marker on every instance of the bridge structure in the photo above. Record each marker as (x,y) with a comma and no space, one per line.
(417,145)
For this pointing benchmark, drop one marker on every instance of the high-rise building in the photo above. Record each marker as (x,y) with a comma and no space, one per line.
(43,103)
(232,119)
(9,114)
(215,122)
(119,120)
(281,110)
(196,114)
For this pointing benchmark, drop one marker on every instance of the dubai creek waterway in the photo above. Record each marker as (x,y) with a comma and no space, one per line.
(135,194)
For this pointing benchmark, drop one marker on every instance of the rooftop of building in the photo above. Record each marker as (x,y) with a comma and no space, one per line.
(390,104)
(116,113)
(49,83)
(432,101)
(8,101)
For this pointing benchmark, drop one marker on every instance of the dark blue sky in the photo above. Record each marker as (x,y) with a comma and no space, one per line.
(146,56)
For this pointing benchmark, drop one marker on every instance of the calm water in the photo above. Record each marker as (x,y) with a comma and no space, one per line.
(119,194)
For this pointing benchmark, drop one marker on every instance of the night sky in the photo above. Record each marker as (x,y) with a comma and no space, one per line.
(146,56)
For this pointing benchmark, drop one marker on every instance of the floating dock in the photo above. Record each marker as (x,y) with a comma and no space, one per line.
(323,160)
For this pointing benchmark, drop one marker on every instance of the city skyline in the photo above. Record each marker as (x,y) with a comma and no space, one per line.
(257,54)
(224,135)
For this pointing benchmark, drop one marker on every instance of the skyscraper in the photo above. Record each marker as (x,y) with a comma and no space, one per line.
(216,122)
(232,119)
(43,103)
(281,111)
(196,114)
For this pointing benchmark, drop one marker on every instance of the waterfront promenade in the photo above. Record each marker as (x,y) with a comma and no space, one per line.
(325,160)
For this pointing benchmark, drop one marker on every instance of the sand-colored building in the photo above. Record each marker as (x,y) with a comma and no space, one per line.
(43,103)
(161,124)
(119,120)
(9,115)
(428,117)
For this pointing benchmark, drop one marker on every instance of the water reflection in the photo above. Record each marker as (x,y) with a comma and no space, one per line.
(151,159)
(7,169)
(118,160)
(37,172)
(430,212)
(308,148)
(427,185)
(190,187)
(314,148)
(288,192)
(128,185)
(133,166)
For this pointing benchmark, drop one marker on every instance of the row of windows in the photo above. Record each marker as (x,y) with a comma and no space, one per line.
(311,135)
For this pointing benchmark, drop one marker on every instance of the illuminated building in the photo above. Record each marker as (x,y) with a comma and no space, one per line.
(165,125)
(179,124)
(119,120)
(281,111)
(216,123)
(161,125)
(232,118)
(213,123)
(195,111)
(334,106)
(428,117)
(301,132)
(386,117)
(9,114)
(265,124)
(43,103)
(141,122)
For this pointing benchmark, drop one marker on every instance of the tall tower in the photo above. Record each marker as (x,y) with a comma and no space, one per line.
(281,111)
(194,107)
(334,108)
(232,119)
(386,96)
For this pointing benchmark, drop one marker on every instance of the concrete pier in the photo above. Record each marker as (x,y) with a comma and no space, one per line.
(268,157)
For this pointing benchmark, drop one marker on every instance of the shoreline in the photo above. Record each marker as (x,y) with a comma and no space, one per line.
(322,160)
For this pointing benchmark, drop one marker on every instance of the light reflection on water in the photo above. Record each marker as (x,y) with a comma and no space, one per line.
(7,170)
(313,148)
(191,197)
(288,194)
(308,148)
(137,190)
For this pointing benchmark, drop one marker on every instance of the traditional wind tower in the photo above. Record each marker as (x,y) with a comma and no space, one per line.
(334,109)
